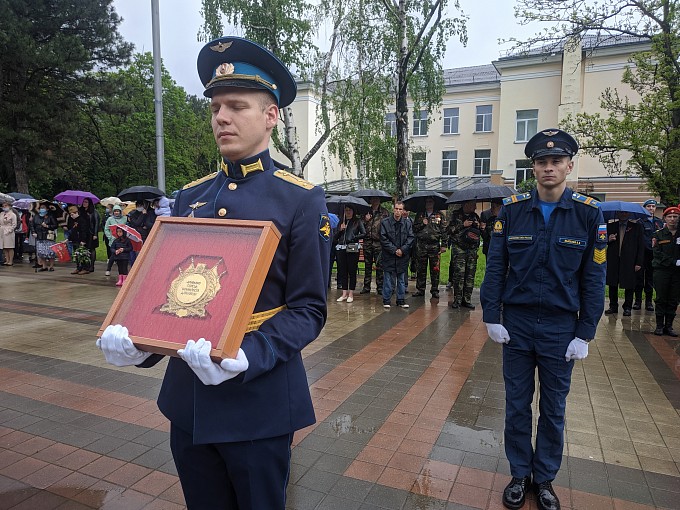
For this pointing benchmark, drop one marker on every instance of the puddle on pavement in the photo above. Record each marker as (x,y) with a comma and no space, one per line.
(346,424)
(485,438)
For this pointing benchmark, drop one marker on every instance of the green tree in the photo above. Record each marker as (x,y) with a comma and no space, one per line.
(47,52)
(645,133)
(116,147)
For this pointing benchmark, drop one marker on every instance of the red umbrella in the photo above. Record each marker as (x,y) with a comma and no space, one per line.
(132,234)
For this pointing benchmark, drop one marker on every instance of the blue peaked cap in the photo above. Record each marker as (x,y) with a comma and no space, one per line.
(237,62)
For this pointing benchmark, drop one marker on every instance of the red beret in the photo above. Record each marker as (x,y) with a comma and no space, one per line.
(671,210)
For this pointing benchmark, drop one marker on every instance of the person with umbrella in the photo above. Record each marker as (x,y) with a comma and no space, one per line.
(429,228)
(396,234)
(488,217)
(43,229)
(465,234)
(372,247)
(666,263)
(542,297)
(625,258)
(232,423)
(87,210)
(80,237)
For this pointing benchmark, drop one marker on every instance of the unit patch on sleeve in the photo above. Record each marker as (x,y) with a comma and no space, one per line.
(602,233)
(499,227)
(324,227)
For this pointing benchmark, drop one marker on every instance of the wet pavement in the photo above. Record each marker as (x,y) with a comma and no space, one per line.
(409,408)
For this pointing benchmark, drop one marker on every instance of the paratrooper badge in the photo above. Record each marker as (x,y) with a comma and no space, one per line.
(324,227)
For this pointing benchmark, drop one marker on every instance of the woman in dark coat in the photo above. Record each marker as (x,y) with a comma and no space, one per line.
(87,209)
(121,248)
(346,243)
(625,257)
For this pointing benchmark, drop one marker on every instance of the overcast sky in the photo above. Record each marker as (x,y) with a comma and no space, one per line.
(180,23)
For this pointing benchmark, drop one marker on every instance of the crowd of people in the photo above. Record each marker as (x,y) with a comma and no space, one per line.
(33,232)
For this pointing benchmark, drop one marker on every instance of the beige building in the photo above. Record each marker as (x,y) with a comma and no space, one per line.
(489,112)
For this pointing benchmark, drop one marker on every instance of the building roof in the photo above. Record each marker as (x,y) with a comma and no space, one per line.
(444,185)
(468,75)
(589,42)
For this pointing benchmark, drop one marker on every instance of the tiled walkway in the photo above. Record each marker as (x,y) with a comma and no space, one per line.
(409,408)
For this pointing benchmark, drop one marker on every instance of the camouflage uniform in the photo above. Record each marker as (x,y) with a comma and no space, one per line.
(372,249)
(463,256)
(431,238)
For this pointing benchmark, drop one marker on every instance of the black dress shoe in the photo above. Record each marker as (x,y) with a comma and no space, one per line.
(435,294)
(637,305)
(515,493)
(418,293)
(649,307)
(669,331)
(626,312)
(465,304)
(610,311)
(365,291)
(546,499)
(455,305)
(658,331)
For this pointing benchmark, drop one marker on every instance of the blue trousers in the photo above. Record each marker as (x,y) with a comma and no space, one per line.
(388,286)
(246,475)
(537,340)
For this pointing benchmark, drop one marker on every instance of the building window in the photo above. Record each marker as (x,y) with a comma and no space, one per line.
(420,123)
(451,116)
(483,119)
(482,161)
(523,170)
(390,125)
(418,164)
(527,125)
(449,163)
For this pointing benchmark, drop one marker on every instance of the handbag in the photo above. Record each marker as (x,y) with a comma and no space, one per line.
(51,235)
(352,247)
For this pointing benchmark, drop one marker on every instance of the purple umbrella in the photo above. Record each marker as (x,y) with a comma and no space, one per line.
(72,196)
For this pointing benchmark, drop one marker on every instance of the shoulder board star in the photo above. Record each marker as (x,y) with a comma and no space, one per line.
(516,198)
(293,179)
(199,181)
(577,197)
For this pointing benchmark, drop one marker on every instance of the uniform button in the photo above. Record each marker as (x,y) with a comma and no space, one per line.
(222,212)
(233,186)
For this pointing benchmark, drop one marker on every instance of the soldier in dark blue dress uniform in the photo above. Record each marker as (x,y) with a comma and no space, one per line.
(542,296)
(232,423)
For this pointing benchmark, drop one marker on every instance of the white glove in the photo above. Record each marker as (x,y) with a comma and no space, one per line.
(197,356)
(118,349)
(578,349)
(498,333)
(677,262)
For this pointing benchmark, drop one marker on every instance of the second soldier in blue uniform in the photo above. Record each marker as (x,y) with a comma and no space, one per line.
(232,423)
(542,296)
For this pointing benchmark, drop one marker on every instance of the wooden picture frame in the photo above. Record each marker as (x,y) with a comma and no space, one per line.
(195,278)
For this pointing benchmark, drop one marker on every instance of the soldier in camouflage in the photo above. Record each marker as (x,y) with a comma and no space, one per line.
(430,230)
(372,247)
(464,231)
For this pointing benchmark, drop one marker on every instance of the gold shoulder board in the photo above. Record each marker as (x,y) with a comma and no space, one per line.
(516,198)
(293,179)
(577,197)
(199,181)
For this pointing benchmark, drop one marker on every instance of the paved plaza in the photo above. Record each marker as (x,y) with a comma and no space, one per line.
(409,407)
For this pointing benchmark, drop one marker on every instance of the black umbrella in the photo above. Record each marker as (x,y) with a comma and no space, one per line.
(140,193)
(480,192)
(336,204)
(19,196)
(367,194)
(416,201)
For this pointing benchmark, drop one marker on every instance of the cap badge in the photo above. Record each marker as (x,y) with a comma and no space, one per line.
(550,133)
(224,69)
(550,144)
(221,47)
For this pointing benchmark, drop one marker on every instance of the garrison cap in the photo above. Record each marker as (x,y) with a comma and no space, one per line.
(551,142)
(237,62)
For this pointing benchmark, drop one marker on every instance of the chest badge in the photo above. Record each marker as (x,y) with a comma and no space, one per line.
(194,207)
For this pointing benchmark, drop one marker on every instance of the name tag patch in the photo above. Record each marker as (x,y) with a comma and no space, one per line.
(521,239)
(571,242)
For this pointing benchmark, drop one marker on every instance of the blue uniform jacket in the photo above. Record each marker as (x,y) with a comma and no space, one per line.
(272,397)
(555,268)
